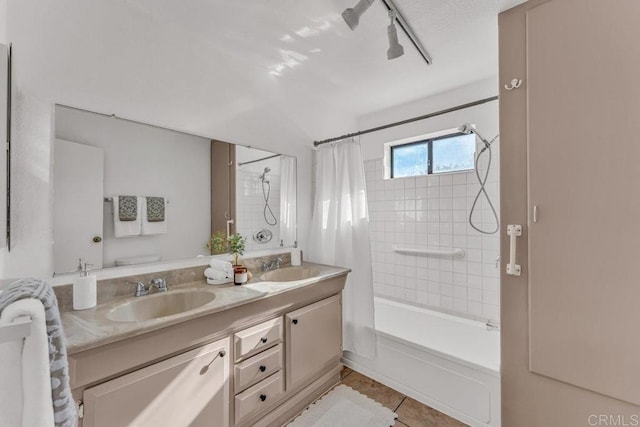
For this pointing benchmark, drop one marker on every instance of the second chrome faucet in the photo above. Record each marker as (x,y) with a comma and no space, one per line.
(159,283)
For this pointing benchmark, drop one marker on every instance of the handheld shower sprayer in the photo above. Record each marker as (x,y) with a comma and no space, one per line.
(467,129)
(263,177)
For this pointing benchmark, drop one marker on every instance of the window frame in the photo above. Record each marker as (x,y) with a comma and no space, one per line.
(428,139)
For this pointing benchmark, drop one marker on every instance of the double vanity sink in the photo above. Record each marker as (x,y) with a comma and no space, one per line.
(257,354)
(180,301)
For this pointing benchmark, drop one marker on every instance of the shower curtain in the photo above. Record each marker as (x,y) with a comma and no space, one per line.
(340,236)
(288,200)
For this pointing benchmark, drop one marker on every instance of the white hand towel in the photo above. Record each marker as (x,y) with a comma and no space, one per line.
(221,265)
(150,228)
(25,397)
(212,273)
(126,228)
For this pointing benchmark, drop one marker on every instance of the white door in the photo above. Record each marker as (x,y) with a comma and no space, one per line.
(78,205)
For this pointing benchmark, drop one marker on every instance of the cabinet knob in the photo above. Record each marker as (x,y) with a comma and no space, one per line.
(263,339)
(222,353)
(262,368)
(294,321)
(263,397)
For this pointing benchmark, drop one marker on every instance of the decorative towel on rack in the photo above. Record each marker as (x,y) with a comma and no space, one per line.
(64,408)
(127,208)
(155,209)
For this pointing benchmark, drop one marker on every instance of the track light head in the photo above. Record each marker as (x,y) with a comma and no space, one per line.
(352,15)
(395,48)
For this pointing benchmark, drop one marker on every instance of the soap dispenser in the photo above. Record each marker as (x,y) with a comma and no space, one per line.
(296,255)
(84,288)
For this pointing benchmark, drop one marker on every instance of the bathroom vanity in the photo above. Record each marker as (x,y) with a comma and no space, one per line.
(248,355)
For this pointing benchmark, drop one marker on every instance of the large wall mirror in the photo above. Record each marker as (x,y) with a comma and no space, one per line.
(127,193)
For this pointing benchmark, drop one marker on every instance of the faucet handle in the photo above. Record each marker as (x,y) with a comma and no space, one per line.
(140,288)
(160,283)
(266,265)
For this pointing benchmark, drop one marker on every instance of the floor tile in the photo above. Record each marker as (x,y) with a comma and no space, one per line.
(374,390)
(345,371)
(415,414)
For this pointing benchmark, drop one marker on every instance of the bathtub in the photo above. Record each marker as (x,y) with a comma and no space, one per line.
(449,363)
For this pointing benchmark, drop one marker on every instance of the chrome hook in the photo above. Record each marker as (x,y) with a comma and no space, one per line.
(513,84)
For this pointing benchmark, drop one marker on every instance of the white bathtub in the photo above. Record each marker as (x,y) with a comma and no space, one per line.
(449,363)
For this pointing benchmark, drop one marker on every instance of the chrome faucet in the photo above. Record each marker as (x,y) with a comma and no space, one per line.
(160,283)
(274,264)
(140,289)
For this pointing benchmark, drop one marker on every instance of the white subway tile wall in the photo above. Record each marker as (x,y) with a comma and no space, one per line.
(250,208)
(433,212)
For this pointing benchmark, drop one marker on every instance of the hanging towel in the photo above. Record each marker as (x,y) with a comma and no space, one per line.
(127,208)
(155,209)
(126,228)
(150,223)
(37,364)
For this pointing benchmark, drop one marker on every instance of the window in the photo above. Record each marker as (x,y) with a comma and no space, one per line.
(451,152)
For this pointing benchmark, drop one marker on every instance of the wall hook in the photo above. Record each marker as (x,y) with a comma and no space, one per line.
(513,84)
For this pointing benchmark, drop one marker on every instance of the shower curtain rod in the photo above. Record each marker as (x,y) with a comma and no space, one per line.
(404,122)
(259,160)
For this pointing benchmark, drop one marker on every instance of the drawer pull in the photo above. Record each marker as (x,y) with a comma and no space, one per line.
(262,368)
(264,340)
(294,321)
(205,368)
(263,397)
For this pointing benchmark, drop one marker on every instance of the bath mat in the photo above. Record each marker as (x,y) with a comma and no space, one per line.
(345,407)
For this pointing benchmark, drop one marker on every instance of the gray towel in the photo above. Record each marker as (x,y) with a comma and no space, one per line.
(155,209)
(128,208)
(64,408)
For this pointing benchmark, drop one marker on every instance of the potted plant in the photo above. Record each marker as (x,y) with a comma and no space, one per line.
(235,244)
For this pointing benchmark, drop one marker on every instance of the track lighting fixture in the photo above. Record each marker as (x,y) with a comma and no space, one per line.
(395,48)
(352,15)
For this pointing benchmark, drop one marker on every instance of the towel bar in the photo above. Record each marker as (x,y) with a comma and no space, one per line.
(19,329)
(454,252)
(110,199)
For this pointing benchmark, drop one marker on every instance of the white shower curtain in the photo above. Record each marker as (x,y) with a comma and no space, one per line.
(340,236)
(288,200)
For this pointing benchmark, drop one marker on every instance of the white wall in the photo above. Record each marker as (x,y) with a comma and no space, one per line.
(432,212)
(141,160)
(103,57)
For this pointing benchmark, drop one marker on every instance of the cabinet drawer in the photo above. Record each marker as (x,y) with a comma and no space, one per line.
(257,337)
(257,367)
(258,397)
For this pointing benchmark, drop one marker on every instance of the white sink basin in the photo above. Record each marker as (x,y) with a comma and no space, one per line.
(289,274)
(159,305)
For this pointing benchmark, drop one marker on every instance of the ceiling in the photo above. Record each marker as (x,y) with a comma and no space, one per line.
(307,47)
(246,70)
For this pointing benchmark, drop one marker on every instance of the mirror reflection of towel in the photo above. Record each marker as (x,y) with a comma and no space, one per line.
(149,226)
(155,209)
(127,208)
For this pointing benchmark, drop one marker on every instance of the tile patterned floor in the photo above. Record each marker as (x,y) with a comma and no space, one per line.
(411,413)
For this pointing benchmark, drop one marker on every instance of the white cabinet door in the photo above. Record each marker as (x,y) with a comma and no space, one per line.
(191,389)
(314,338)
(78,205)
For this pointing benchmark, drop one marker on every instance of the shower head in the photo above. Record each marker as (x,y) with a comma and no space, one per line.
(263,176)
(468,129)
